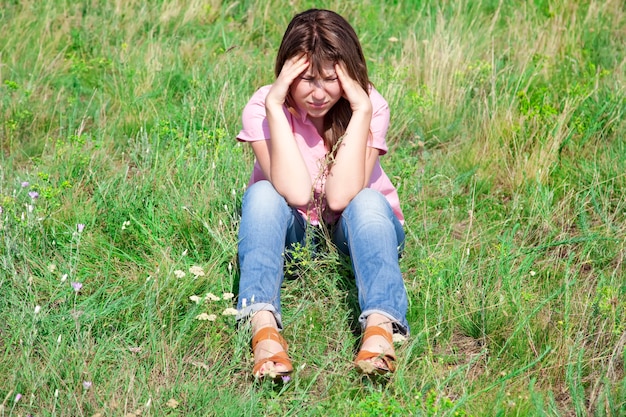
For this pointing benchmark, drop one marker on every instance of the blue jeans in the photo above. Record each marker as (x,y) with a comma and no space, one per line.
(367,231)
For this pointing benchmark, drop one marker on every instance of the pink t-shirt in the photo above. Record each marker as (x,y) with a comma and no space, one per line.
(311,144)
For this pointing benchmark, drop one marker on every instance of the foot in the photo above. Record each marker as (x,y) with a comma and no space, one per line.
(270,357)
(377,354)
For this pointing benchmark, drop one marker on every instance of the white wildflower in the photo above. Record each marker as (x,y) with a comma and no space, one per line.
(179,274)
(228,296)
(398,338)
(229,312)
(197,271)
(195,299)
(206,317)
(211,297)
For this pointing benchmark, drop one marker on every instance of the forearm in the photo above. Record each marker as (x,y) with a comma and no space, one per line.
(288,172)
(349,174)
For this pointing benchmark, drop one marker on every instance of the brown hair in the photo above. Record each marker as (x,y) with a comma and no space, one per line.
(325,37)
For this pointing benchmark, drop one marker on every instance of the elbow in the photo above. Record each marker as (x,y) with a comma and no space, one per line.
(338,198)
(299,199)
(296,195)
(338,203)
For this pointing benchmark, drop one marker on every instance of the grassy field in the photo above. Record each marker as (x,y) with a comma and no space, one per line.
(121,183)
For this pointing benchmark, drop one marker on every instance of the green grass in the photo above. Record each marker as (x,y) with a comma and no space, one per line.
(507,149)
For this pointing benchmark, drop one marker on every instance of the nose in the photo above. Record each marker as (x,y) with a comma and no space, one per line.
(318,90)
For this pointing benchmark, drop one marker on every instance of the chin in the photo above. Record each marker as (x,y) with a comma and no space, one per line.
(317,113)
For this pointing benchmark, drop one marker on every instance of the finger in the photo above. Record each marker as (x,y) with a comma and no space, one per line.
(298,60)
(300,57)
(297,65)
(341,70)
(302,63)
(345,80)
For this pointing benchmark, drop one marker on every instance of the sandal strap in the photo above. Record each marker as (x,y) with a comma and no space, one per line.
(280,358)
(388,359)
(377,331)
(268,333)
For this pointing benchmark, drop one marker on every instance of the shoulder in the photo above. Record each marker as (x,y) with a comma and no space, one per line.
(253,118)
(380,121)
(259,96)
(255,107)
(378,101)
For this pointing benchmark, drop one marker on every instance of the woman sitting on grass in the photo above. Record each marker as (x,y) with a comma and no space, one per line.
(317,133)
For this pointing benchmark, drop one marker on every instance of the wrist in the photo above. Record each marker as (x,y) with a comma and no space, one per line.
(364,107)
(272,107)
(362,111)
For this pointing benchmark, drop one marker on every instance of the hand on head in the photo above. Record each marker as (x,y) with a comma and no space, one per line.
(297,65)
(293,67)
(352,90)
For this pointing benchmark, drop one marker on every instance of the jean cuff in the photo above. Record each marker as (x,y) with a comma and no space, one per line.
(247,312)
(400,327)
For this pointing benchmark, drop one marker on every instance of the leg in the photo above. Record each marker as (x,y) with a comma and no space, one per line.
(267,226)
(373,237)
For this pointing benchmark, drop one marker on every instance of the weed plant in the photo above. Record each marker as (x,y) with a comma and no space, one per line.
(121,184)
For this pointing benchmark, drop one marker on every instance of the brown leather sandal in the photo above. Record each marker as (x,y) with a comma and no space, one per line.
(270,333)
(363,359)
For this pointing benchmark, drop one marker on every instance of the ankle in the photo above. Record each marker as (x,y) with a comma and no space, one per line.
(376,319)
(262,319)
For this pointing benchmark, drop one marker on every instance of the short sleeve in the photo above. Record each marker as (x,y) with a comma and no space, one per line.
(253,119)
(380,121)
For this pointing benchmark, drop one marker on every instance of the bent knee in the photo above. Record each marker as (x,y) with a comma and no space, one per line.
(262,196)
(369,199)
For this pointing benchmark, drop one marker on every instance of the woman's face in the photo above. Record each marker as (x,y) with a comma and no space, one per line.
(317,95)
